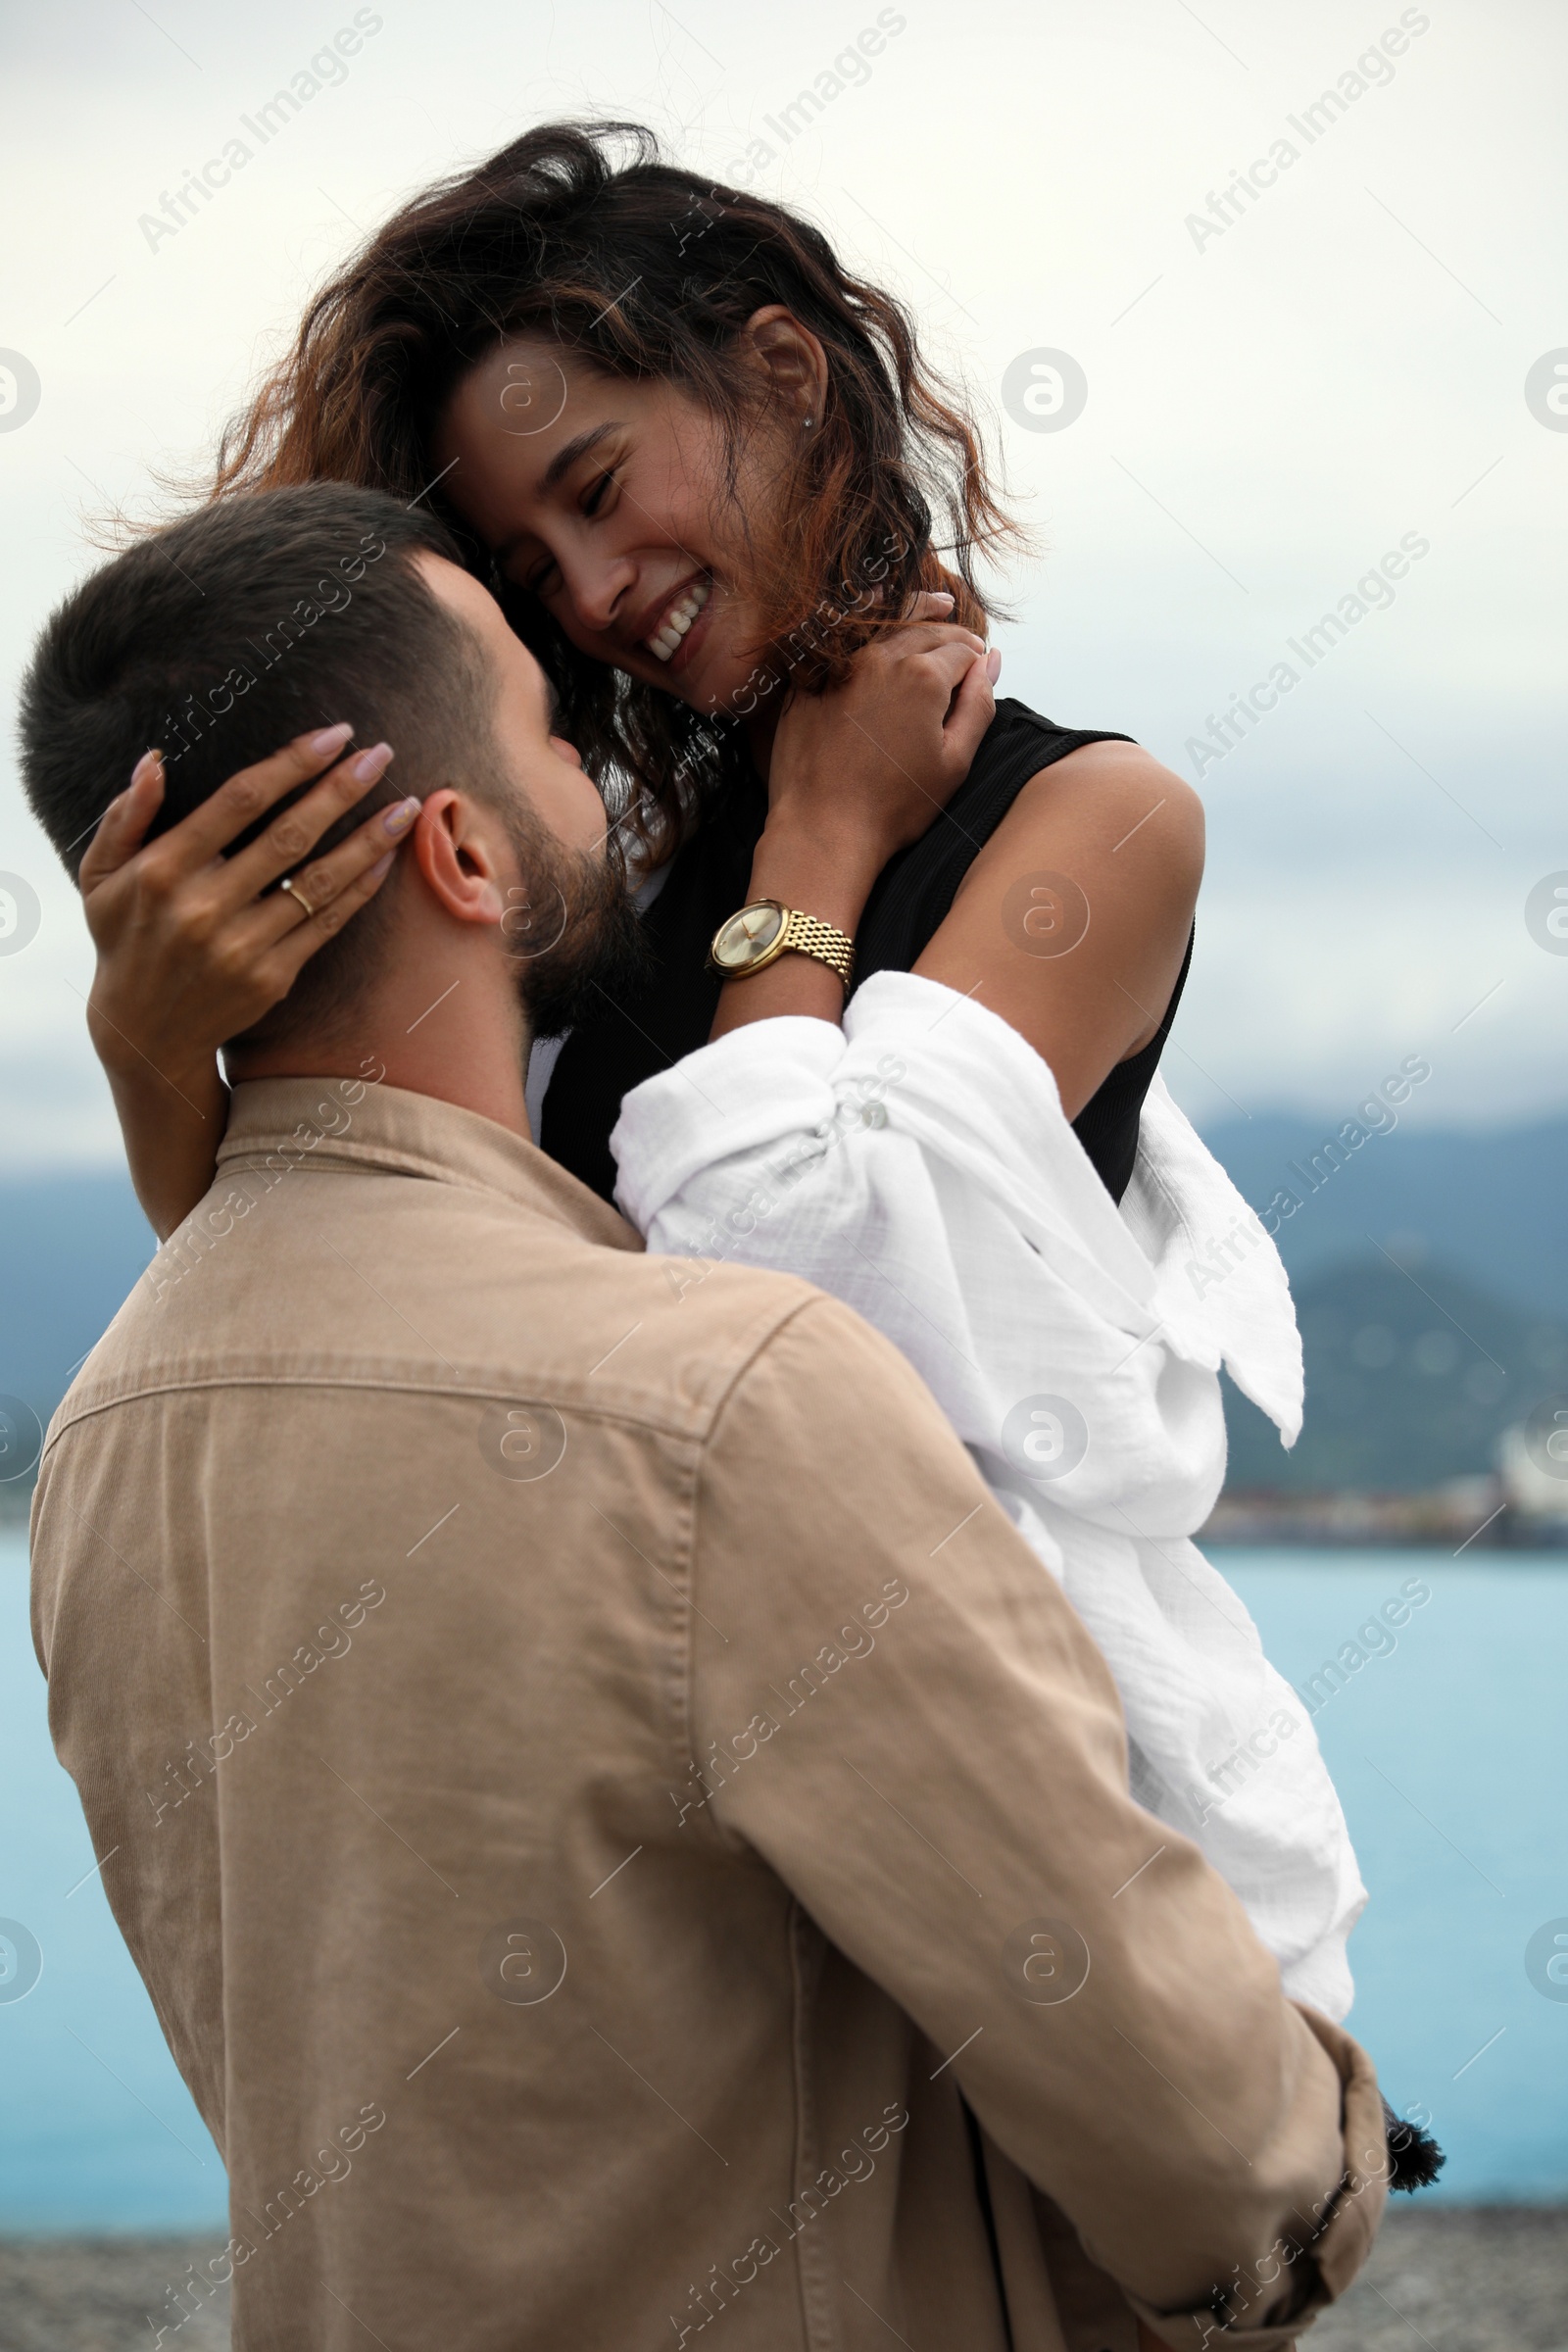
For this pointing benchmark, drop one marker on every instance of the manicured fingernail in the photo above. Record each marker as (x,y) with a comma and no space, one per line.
(398,819)
(368,765)
(330,739)
(380,868)
(939,595)
(147,766)
(993,666)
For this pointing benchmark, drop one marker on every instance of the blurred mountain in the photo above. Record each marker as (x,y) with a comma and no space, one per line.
(1413,1374)
(1416,1359)
(1492,1207)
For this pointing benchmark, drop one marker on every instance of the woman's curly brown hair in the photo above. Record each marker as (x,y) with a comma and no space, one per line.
(581,233)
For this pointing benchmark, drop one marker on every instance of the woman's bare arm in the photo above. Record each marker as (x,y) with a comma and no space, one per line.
(1073,921)
(194,947)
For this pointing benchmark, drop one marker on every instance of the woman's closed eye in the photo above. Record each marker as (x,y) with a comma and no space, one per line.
(594,497)
(544,578)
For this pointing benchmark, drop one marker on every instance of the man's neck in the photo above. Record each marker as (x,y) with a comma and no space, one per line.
(451,1028)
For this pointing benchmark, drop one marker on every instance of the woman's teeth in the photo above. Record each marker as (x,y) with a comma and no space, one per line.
(678,620)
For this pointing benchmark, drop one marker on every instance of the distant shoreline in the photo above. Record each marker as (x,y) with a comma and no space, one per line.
(1548,1550)
(1468,1514)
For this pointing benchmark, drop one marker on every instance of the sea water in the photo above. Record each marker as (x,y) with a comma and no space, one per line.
(1450,1754)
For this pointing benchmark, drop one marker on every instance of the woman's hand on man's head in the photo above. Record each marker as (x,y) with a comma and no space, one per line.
(195,947)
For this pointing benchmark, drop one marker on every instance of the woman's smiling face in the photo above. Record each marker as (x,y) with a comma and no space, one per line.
(605,497)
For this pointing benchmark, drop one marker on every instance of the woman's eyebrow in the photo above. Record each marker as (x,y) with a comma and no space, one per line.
(565,458)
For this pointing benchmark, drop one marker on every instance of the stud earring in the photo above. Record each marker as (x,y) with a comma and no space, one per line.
(806,427)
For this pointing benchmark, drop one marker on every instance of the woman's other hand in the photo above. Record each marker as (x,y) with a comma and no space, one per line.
(194,948)
(861,770)
(857,774)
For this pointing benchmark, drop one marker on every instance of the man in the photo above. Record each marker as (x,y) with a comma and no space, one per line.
(621,1837)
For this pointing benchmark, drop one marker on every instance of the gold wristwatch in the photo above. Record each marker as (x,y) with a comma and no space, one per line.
(764,931)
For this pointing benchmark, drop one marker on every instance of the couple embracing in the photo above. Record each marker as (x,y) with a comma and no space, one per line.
(620,1598)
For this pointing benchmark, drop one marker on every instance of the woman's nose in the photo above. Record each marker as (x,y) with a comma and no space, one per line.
(600,590)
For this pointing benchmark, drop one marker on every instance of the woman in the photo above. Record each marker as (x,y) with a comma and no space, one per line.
(700,463)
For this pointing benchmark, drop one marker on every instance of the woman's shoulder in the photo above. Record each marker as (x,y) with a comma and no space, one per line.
(1014,715)
(1117,816)
(917,887)
(1112,782)
(1018,731)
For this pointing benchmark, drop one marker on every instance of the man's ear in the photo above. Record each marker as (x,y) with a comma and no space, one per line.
(457,846)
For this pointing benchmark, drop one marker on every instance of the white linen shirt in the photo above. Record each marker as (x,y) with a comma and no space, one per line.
(918,1164)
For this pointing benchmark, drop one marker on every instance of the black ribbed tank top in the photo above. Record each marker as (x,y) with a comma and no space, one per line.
(669,1012)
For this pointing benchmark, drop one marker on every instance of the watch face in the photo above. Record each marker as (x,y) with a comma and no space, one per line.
(747,937)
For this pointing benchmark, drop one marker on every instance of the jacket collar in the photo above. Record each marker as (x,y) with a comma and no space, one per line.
(350,1126)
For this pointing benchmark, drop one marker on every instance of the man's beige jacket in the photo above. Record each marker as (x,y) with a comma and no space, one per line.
(627,1848)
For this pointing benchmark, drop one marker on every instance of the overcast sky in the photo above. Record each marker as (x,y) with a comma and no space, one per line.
(1284,387)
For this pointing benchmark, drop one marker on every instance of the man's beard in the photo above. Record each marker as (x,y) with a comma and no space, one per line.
(573,931)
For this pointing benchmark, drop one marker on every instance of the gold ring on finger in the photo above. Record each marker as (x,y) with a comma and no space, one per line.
(291,885)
